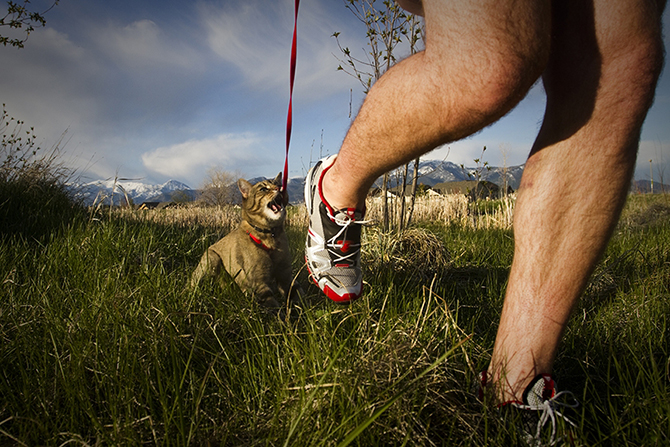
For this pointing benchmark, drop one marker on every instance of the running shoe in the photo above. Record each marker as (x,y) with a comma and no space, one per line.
(539,405)
(333,246)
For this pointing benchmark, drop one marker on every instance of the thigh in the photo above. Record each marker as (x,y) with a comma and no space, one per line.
(489,34)
(478,21)
(412,6)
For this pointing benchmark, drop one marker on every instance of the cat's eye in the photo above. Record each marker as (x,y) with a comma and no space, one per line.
(264,189)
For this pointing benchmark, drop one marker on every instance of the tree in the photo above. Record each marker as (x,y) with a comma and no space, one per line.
(181,196)
(19,17)
(220,187)
(478,192)
(387,27)
(415,33)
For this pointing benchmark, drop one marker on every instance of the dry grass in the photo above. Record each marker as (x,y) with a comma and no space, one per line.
(210,217)
(453,209)
(646,210)
(185,216)
(416,251)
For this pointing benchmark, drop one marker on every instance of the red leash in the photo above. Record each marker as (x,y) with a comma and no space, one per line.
(289,120)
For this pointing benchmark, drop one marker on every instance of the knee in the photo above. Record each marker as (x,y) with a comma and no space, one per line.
(506,80)
(610,88)
(493,83)
(635,70)
(510,62)
(634,51)
(483,59)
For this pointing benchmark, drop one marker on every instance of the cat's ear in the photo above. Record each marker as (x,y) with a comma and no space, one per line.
(277,180)
(245,187)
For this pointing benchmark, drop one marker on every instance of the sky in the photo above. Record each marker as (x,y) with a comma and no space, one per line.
(154,90)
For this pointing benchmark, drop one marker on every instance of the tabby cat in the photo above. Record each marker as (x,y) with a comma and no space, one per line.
(256,254)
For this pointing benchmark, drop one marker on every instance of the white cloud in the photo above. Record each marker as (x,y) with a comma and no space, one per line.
(50,83)
(255,36)
(191,159)
(143,44)
(466,151)
(244,38)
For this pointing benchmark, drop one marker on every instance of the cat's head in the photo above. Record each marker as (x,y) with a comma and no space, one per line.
(263,204)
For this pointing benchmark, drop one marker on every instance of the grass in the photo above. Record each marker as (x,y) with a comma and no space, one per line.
(102,342)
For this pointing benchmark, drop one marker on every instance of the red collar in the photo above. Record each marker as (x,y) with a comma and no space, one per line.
(259,242)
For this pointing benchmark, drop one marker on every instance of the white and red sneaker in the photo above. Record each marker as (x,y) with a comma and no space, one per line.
(333,246)
(539,405)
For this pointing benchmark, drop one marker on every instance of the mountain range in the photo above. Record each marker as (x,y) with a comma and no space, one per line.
(116,191)
(431,172)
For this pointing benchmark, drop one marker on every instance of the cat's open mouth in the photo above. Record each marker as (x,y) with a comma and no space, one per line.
(276,205)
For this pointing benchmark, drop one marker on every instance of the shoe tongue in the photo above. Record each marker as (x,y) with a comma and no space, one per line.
(540,389)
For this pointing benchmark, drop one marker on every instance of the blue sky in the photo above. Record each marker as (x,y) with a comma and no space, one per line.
(165,89)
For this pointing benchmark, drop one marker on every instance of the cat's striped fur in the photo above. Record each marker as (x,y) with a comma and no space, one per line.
(256,254)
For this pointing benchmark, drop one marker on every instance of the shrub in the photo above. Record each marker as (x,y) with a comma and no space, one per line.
(34,198)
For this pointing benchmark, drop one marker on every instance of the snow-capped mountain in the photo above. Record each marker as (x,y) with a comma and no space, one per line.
(432,172)
(111,191)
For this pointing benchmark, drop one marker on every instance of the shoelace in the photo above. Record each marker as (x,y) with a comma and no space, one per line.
(344,222)
(549,413)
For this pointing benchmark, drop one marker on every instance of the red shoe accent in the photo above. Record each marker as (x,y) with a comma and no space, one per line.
(330,293)
(319,190)
(346,298)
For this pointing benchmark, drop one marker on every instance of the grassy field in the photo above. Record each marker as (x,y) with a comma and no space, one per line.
(103,343)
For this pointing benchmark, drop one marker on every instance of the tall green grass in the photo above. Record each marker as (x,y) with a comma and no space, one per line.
(102,341)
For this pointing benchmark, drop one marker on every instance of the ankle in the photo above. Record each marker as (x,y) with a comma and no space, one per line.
(336,196)
(506,389)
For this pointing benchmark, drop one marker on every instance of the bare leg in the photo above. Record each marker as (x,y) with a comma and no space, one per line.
(481,58)
(412,6)
(606,56)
